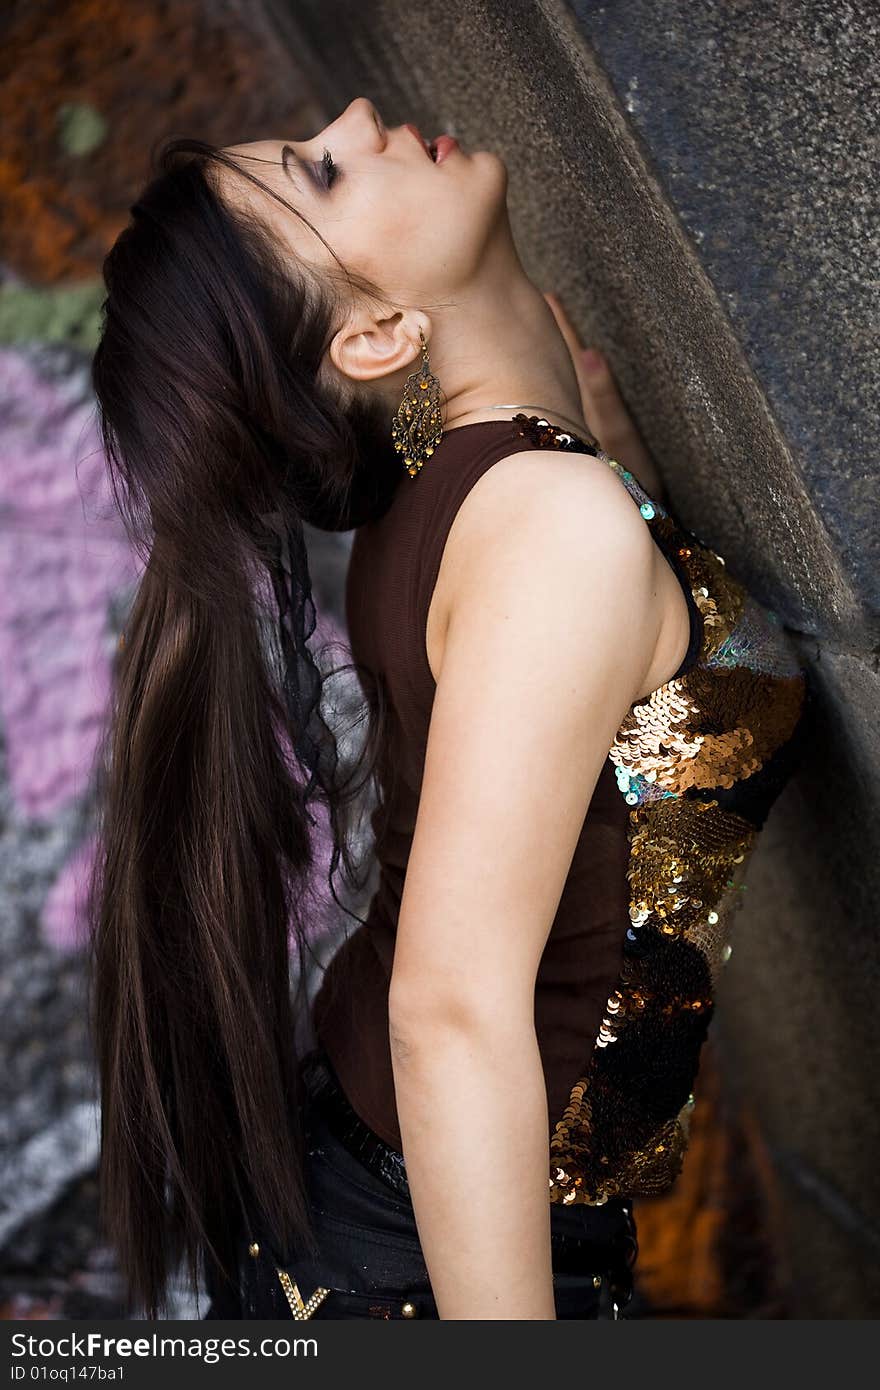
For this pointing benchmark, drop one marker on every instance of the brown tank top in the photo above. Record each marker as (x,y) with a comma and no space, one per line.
(392,572)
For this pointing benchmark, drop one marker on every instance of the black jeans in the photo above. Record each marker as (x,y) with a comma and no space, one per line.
(371,1259)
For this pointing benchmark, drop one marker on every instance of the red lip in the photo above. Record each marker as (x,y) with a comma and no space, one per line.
(444,145)
(418,134)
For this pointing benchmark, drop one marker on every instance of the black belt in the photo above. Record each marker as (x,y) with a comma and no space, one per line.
(387,1163)
(361,1141)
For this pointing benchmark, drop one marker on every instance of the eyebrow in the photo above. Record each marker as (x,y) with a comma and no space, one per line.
(290,157)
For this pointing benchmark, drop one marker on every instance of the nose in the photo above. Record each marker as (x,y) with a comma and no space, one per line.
(362,112)
(359,123)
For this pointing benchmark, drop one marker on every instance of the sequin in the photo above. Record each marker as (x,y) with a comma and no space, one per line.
(687,760)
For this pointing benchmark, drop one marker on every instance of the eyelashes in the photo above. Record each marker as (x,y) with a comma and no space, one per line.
(331,170)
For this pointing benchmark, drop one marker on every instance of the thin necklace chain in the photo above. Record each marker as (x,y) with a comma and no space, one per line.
(579,429)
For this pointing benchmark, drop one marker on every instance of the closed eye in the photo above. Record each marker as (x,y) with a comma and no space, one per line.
(324,180)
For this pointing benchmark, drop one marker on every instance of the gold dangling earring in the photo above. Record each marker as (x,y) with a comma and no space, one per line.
(417,428)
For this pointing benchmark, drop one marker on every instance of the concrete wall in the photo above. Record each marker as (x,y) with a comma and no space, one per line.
(695,182)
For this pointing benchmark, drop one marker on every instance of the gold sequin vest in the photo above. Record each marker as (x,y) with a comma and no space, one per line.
(699,762)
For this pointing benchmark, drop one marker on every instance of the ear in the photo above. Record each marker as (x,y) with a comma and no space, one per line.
(367,348)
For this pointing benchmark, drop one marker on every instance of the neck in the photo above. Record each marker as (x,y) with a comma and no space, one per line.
(552,417)
(501,343)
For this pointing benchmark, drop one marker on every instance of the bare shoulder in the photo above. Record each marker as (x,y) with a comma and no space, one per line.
(545,508)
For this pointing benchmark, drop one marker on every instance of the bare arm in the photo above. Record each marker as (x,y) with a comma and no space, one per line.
(553,623)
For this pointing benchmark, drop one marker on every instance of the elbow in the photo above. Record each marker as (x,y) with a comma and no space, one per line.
(415,1022)
(422,1021)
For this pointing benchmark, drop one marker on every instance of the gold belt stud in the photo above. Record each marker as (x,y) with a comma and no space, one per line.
(409,1310)
(299,1309)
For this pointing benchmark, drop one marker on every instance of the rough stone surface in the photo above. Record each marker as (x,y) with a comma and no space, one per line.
(756,120)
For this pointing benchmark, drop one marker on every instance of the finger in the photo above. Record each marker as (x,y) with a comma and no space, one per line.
(564,323)
(612,426)
(575,349)
(580,356)
(612,423)
(598,387)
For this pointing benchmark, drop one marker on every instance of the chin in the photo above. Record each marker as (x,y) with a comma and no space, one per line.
(489,154)
(494,163)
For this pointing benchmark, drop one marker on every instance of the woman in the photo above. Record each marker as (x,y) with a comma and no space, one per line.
(578,722)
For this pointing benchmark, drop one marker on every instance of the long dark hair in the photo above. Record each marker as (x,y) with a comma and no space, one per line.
(222,440)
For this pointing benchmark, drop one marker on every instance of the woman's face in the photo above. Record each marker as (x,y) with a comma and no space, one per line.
(419,230)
